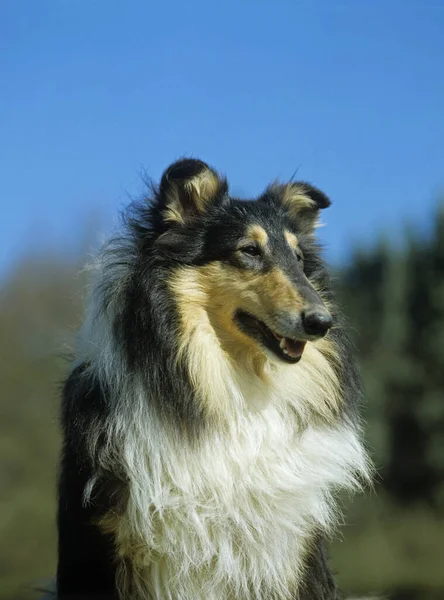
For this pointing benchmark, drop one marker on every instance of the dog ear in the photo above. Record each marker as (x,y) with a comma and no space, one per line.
(188,188)
(302,201)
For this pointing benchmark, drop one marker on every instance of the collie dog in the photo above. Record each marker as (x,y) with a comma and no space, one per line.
(210,417)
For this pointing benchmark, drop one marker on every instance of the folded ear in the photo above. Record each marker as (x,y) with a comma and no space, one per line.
(188,188)
(302,201)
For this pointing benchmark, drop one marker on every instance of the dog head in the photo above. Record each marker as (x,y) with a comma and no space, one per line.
(252,265)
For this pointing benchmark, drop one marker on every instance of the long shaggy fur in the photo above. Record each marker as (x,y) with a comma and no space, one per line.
(196,467)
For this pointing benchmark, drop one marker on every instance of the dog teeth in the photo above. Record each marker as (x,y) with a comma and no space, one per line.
(285,351)
(282,344)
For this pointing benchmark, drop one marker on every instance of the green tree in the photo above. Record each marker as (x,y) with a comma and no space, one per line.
(395,302)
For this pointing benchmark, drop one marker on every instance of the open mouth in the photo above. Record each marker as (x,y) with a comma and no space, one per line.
(287,349)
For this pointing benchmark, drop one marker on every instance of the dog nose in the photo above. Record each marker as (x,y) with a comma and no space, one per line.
(316,321)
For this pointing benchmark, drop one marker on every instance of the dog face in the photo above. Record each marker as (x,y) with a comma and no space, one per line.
(251,265)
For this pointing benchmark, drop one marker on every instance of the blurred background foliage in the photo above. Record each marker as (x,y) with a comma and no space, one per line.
(391,539)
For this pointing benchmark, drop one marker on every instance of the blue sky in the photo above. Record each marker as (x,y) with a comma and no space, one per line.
(92,92)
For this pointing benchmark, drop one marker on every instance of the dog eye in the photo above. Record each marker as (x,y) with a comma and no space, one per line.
(299,256)
(251,250)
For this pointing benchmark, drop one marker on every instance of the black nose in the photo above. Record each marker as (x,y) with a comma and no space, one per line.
(316,321)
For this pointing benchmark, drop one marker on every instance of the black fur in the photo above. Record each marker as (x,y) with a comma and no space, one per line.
(318,581)
(85,557)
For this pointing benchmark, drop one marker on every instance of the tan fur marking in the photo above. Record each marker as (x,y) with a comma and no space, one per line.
(199,190)
(207,299)
(292,240)
(228,289)
(296,199)
(297,202)
(198,340)
(213,346)
(258,234)
(173,212)
(202,188)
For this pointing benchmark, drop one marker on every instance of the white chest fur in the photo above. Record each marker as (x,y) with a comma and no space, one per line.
(231,518)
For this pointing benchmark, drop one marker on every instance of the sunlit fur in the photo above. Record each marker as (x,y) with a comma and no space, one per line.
(291,239)
(220,464)
(195,193)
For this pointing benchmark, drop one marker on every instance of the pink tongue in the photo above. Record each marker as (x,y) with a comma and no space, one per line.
(294,348)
